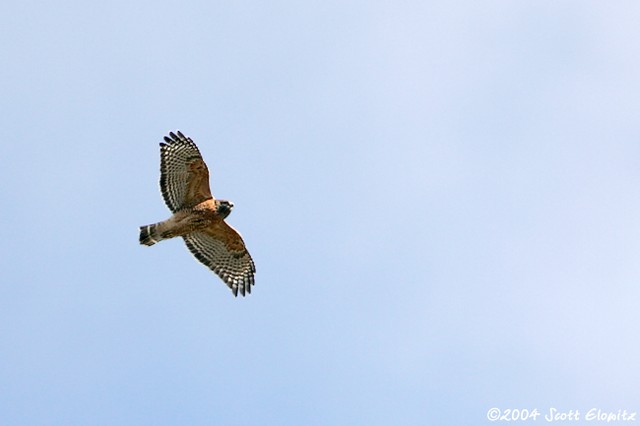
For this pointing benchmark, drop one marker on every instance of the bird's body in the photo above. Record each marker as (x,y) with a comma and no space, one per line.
(183,222)
(198,217)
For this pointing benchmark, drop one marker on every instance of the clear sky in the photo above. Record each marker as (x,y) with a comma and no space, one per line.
(441,199)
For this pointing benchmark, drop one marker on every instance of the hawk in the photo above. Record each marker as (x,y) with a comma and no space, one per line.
(197,216)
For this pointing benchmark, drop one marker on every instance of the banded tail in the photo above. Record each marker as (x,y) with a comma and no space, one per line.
(149,235)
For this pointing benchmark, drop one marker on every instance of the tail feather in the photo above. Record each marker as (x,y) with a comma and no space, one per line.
(149,235)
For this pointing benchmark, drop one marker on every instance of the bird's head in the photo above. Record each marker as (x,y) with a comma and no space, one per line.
(224,207)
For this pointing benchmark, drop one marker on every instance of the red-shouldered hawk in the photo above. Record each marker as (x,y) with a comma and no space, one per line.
(197,216)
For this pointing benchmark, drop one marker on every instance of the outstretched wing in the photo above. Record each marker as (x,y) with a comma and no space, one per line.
(184,177)
(221,248)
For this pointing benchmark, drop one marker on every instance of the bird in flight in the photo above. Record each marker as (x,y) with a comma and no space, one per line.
(197,216)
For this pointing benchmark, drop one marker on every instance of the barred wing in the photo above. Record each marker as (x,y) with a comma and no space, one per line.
(222,250)
(184,177)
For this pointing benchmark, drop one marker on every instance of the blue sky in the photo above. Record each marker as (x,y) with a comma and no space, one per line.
(441,199)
